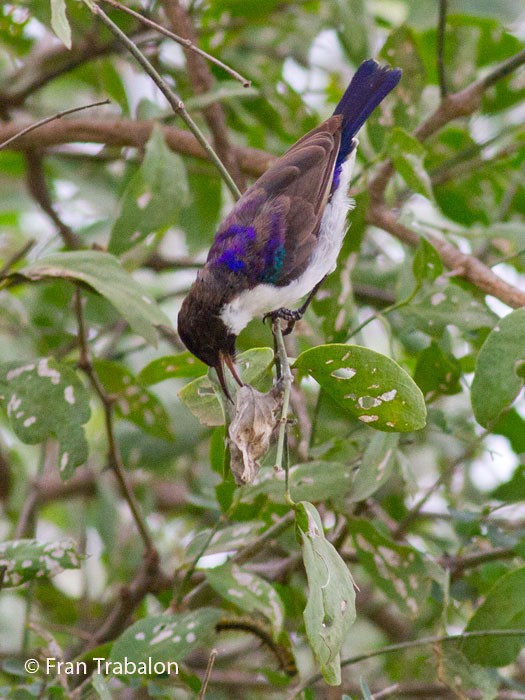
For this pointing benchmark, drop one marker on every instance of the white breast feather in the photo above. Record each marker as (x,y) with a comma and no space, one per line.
(266,297)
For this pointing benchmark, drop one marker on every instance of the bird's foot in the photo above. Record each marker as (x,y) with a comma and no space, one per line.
(290,315)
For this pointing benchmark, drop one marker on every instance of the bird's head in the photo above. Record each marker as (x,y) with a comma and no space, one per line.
(204,333)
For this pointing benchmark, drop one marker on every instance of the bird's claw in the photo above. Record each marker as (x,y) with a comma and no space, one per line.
(290,315)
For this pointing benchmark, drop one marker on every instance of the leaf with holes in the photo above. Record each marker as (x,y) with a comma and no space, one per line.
(170,367)
(503,608)
(163,638)
(103,273)
(427,264)
(229,539)
(370,386)
(133,401)
(25,560)
(248,592)
(500,369)
(450,305)
(202,396)
(44,399)
(376,466)
(153,198)
(330,611)
(398,570)
(315,481)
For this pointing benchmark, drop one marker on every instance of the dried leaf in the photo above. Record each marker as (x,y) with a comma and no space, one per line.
(251,429)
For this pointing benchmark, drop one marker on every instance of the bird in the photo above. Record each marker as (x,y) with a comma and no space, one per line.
(283,235)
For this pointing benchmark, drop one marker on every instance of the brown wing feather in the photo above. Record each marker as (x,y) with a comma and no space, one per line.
(280,214)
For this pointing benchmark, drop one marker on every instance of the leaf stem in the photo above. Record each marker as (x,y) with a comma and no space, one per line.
(174,100)
(285,375)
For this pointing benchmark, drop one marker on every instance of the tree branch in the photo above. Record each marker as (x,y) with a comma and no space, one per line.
(114,457)
(127,132)
(186,43)
(442,23)
(173,100)
(202,82)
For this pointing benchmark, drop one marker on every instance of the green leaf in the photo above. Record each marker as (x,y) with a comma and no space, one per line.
(59,22)
(499,375)
(229,539)
(248,592)
(408,154)
(437,372)
(330,611)
(25,560)
(153,198)
(503,608)
(376,467)
(164,638)
(170,366)
(103,273)
(353,28)
(202,395)
(315,481)
(132,400)
(200,217)
(398,570)
(427,264)
(470,677)
(451,305)
(100,686)
(46,398)
(370,386)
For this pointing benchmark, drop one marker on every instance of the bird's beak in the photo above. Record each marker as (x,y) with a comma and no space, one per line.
(226,359)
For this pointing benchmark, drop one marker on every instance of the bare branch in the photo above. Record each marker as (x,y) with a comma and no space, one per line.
(443,4)
(114,457)
(46,120)
(202,82)
(186,43)
(37,185)
(174,100)
(127,132)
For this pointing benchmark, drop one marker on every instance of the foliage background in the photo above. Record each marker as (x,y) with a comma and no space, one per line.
(430,523)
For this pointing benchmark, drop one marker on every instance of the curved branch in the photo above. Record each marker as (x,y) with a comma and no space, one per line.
(126,132)
(460,104)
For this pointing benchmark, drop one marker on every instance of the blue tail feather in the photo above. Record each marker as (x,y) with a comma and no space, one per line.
(369,86)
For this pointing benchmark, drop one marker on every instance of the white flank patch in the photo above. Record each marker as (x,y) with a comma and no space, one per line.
(266,297)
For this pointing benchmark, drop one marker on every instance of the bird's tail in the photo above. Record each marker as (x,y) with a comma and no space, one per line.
(369,86)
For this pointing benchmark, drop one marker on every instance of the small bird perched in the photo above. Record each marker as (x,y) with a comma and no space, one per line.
(284,234)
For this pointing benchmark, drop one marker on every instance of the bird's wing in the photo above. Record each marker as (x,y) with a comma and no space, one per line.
(272,230)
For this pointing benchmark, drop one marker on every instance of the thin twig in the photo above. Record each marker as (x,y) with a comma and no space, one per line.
(202,82)
(187,43)
(16,256)
(440,60)
(206,679)
(287,379)
(247,552)
(37,184)
(411,644)
(114,456)
(174,100)
(504,69)
(46,120)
